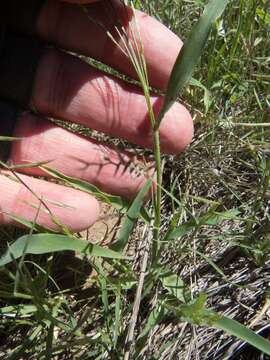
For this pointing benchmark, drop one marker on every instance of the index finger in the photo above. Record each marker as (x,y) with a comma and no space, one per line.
(85,32)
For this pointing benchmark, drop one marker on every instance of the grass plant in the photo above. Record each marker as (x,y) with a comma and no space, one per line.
(200,254)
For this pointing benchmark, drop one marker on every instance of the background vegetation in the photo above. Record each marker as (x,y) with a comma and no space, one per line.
(215,226)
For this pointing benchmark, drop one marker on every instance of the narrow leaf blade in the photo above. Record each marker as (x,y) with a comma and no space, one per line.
(236,329)
(190,53)
(131,217)
(9,138)
(210,219)
(47,243)
(116,201)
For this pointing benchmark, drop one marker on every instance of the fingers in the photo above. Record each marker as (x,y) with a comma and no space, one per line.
(113,172)
(85,32)
(44,202)
(65,87)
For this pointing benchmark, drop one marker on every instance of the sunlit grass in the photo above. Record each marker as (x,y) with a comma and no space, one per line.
(215,205)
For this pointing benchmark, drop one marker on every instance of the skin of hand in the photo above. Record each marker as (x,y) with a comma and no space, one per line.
(67,88)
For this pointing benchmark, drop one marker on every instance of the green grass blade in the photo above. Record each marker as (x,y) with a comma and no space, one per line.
(156,315)
(116,201)
(29,165)
(47,243)
(196,313)
(211,219)
(9,138)
(28,224)
(236,329)
(131,217)
(21,310)
(18,354)
(190,53)
(117,321)
(211,263)
(49,342)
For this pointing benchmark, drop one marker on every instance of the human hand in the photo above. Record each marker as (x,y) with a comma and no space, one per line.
(65,87)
